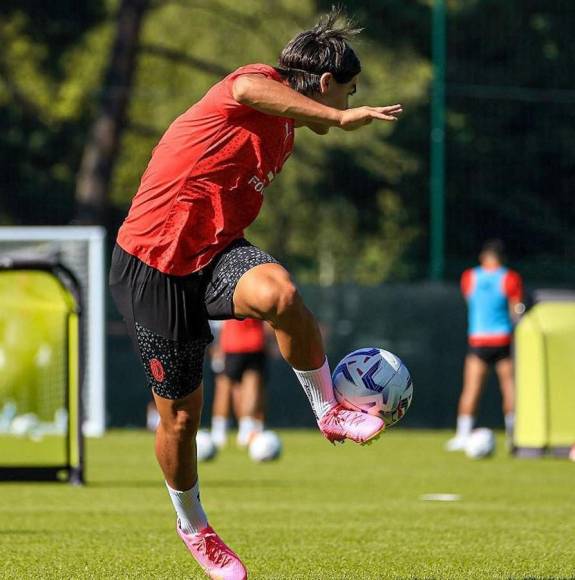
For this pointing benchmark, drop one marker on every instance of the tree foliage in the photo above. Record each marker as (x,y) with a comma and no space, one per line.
(348,206)
(50,68)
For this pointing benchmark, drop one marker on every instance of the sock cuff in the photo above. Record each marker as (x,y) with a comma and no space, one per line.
(194,488)
(311,373)
(318,388)
(465,424)
(246,424)
(220,422)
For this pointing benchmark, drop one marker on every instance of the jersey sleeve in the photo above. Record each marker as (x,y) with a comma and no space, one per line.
(228,105)
(513,286)
(466,282)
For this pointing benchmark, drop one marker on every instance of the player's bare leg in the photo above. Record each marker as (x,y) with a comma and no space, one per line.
(251,393)
(176,438)
(474,375)
(267,292)
(504,370)
(221,409)
(250,390)
(176,454)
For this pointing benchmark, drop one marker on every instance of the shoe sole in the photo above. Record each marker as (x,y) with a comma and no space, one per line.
(365,443)
(373,438)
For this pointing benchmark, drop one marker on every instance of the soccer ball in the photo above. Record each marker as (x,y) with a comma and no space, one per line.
(206,450)
(481,443)
(374,381)
(265,446)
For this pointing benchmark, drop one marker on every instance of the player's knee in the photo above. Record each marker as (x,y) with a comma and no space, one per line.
(182,424)
(278,297)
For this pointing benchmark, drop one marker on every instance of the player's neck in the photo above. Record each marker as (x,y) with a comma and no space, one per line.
(490,265)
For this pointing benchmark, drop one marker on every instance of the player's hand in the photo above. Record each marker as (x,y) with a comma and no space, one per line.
(352,119)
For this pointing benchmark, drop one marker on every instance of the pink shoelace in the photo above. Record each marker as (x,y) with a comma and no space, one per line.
(339,416)
(214,549)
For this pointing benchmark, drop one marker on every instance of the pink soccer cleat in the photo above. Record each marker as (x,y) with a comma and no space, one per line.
(340,423)
(217,560)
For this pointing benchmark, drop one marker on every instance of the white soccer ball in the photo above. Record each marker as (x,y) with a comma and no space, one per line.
(374,381)
(205,447)
(265,446)
(480,443)
(23,424)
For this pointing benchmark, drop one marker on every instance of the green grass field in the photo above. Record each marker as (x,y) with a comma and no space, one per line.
(320,512)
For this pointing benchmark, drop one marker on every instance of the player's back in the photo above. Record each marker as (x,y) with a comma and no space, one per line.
(488,305)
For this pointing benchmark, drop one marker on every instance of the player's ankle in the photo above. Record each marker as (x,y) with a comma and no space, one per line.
(191,516)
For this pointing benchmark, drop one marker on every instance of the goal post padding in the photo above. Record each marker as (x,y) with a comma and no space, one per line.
(40,369)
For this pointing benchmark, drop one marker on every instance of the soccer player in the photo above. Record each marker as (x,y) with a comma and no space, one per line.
(181,257)
(494,297)
(243,344)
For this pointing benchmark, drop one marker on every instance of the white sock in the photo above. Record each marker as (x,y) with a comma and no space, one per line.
(464,425)
(189,509)
(245,429)
(509,424)
(219,425)
(318,388)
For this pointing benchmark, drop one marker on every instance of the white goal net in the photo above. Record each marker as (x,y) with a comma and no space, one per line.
(81,249)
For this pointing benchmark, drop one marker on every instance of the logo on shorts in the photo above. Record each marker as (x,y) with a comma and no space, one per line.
(157,370)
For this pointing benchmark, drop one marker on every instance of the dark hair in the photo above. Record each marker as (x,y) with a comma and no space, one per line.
(495,247)
(320,50)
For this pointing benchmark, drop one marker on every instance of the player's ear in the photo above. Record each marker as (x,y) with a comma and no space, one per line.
(325,82)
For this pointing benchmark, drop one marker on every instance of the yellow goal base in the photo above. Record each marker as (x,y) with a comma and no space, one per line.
(545,380)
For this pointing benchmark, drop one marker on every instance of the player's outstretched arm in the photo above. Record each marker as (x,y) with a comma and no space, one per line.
(275,98)
(352,119)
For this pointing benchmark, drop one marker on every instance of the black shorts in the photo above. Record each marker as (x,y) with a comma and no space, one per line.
(236,364)
(167,316)
(491,354)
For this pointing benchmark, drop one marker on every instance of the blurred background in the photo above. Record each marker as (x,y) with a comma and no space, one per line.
(377,225)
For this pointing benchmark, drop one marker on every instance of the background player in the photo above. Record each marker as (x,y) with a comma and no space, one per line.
(181,258)
(494,297)
(241,384)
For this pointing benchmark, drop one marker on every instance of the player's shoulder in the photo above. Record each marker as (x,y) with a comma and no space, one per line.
(467,273)
(466,281)
(256,68)
(512,274)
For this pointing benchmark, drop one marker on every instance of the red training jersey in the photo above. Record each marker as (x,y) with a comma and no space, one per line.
(204,183)
(242,336)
